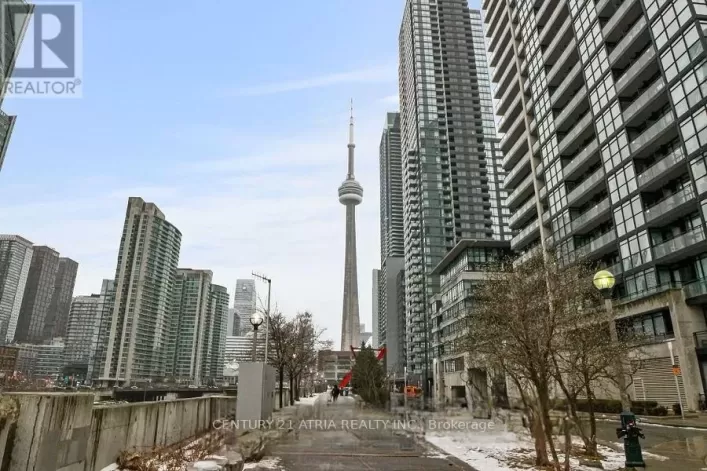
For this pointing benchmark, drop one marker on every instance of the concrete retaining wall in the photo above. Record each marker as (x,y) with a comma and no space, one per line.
(65,432)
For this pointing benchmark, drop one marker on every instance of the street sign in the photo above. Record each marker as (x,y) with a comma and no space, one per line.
(676,370)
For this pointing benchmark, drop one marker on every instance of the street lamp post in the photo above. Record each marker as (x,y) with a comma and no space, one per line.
(255,320)
(267,314)
(604,281)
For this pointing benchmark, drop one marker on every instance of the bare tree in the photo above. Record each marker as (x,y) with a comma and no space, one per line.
(281,347)
(305,342)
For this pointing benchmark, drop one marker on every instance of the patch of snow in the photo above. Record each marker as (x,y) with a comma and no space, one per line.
(646,454)
(111,467)
(267,463)
(507,451)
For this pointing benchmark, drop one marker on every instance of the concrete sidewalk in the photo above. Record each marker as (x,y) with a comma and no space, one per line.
(342,437)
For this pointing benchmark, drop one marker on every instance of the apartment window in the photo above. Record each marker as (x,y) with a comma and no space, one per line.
(558,200)
(596,68)
(669,22)
(690,90)
(681,52)
(546,128)
(615,152)
(622,183)
(591,41)
(629,216)
(553,175)
(636,250)
(694,131)
(549,150)
(652,6)
(608,122)
(699,171)
(602,95)
(585,18)
(640,282)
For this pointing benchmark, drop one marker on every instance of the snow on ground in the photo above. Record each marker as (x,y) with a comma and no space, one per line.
(497,450)
(266,463)
(308,400)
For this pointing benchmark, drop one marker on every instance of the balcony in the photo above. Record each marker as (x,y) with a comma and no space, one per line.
(524,189)
(563,65)
(517,152)
(592,218)
(585,190)
(672,207)
(527,235)
(546,218)
(664,170)
(550,29)
(512,134)
(624,15)
(559,42)
(682,246)
(652,99)
(581,131)
(577,106)
(696,293)
(560,96)
(654,135)
(581,161)
(527,211)
(511,111)
(640,70)
(547,9)
(630,45)
(519,171)
(602,245)
(503,65)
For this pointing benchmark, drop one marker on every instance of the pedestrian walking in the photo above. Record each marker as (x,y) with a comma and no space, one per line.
(335,392)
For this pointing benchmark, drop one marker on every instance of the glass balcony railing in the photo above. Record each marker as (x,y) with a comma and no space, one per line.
(521,189)
(600,242)
(648,95)
(627,77)
(660,168)
(586,186)
(578,129)
(678,243)
(627,40)
(556,75)
(650,134)
(580,221)
(560,91)
(524,235)
(670,203)
(581,159)
(571,107)
(521,213)
(695,289)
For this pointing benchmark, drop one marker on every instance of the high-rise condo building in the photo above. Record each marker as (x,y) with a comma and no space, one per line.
(451,160)
(375,305)
(15,260)
(392,241)
(58,314)
(39,292)
(214,356)
(244,301)
(604,115)
(144,281)
(189,327)
(82,333)
(104,326)
(17,16)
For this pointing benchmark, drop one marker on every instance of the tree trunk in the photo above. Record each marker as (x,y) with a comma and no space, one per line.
(281,379)
(297,388)
(568,443)
(292,390)
(536,430)
(544,403)
(592,445)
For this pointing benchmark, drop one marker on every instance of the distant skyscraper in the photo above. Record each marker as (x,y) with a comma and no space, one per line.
(244,301)
(38,295)
(82,333)
(375,306)
(58,315)
(145,274)
(452,172)
(17,15)
(234,322)
(386,330)
(350,195)
(218,320)
(189,321)
(15,260)
(108,292)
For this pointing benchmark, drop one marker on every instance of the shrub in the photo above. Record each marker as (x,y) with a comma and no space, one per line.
(677,409)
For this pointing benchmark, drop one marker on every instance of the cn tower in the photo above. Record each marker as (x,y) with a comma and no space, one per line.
(350,195)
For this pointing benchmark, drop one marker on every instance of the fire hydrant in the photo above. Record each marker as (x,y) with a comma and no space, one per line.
(630,432)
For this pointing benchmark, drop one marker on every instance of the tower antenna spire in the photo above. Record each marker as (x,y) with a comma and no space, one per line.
(351,125)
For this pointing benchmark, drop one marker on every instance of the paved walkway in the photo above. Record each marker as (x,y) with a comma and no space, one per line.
(342,437)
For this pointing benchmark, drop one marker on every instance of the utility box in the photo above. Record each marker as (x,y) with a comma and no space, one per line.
(256,393)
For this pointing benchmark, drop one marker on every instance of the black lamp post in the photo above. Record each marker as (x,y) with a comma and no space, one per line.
(255,320)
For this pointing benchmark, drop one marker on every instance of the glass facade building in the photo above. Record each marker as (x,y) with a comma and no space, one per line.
(605,132)
(15,260)
(451,163)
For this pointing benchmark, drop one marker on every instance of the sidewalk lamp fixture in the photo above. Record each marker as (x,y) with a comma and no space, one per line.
(256,319)
(604,281)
